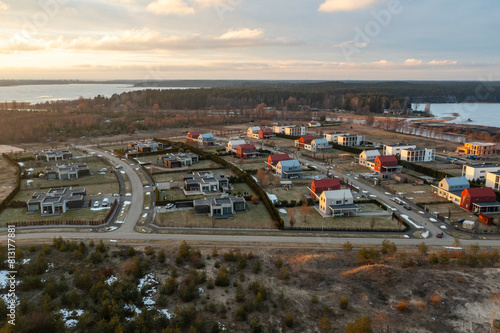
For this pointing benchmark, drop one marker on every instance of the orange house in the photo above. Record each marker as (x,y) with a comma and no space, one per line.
(386,164)
(320,185)
(273,160)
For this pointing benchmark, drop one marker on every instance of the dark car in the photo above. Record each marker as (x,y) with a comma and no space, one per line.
(439,235)
(407,207)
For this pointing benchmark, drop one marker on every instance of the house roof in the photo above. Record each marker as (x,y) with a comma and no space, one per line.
(457,181)
(481,192)
(370,153)
(266,131)
(195,134)
(306,138)
(246,146)
(207,136)
(278,157)
(321,142)
(236,143)
(337,194)
(325,183)
(254,128)
(388,160)
(289,163)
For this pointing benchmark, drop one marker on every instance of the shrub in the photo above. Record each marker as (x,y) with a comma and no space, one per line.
(436,300)
(149,250)
(284,275)
(347,246)
(161,256)
(288,320)
(222,279)
(403,305)
(241,313)
(344,302)
(278,263)
(360,325)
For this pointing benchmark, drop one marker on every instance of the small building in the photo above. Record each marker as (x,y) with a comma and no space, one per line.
(397,148)
(266,133)
(70,171)
(479,200)
(451,188)
(304,141)
(233,145)
(418,155)
(401,177)
(144,146)
(253,132)
(485,219)
(318,186)
(246,150)
(194,135)
(273,160)
(205,182)
(386,164)
(220,208)
(367,158)
(493,180)
(295,130)
(288,169)
(56,201)
(53,155)
(478,149)
(206,139)
(314,124)
(178,160)
(478,171)
(320,145)
(337,203)
(351,140)
(334,137)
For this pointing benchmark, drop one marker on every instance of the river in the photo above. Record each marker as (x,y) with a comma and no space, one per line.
(484,114)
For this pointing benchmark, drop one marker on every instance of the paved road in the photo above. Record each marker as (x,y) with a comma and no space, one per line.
(137,198)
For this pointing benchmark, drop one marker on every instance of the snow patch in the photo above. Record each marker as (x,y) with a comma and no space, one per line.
(452,248)
(167,313)
(70,316)
(111,228)
(406,236)
(145,215)
(49,266)
(25,261)
(111,280)
(433,220)
(100,208)
(122,172)
(283,211)
(148,193)
(404,216)
(3,279)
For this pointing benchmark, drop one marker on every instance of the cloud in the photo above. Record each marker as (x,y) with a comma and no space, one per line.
(174,7)
(144,40)
(413,62)
(3,6)
(331,6)
(242,34)
(442,62)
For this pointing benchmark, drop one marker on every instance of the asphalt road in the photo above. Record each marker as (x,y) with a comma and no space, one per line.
(125,233)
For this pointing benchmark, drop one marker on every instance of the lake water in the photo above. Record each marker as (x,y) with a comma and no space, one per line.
(484,114)
(54,92)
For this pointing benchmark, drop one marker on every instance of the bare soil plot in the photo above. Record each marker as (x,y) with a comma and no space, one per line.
(293,193)
(6,149)
(8,178)
(455,210)
(255,217)
(414,193)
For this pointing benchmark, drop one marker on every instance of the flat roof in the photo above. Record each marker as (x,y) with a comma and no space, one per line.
(487,204)
(483,144)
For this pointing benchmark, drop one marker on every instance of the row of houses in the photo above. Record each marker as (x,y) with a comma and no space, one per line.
(308,142)
(260,133)
(477,200)
(53,155)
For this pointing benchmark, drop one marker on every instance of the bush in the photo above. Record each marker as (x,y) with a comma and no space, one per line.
(288,320)
(222,279)
(284,275)
(360,325)
(241,313)
(347,246)
(344,302)
(403,305)
(161,256)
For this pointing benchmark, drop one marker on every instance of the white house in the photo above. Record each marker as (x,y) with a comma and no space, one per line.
(351,140)
(337,203)
(319,145)
(396,149)
(253,132)
(493,180)
(295,130)
(334,137)
(367,158)
(478,171)
(418,154)
(233,144)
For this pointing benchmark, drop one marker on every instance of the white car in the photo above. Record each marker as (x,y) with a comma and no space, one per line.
(170,205)
(96,204)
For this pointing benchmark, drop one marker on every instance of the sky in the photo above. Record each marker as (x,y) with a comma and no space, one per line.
(250,39)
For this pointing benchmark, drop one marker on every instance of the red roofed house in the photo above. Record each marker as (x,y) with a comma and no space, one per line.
(246,150)
(304,140)
(266,133)
(194,135)
(320,185)
(273,160)
(386,164)
(479,200)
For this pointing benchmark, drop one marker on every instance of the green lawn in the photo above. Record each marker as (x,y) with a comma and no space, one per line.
(19,214)
(256,217)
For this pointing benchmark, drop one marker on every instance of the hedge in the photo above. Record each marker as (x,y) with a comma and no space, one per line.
(290,137)
(348,149)
(240,174)
(425,170)
(16,190)
(348,229)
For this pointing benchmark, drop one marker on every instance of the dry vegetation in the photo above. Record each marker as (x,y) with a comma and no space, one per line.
(257,290)
(8,178)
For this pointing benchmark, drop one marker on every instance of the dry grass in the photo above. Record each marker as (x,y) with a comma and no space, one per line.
(403,305)
(436,300)
(8,178)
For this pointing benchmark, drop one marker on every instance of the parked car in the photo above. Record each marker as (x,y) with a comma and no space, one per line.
(407,207)
(170,205)
(439,235)
(119,166)
(96,204)
(105,202)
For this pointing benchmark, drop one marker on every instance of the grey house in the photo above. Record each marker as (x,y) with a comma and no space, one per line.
(71,171)
(53,155)
(288,169)
(178,160)
(205,182)
(451,188)
(223,207)
(56,201)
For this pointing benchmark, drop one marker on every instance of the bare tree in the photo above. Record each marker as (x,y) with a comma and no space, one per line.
(291,214)
(305,210)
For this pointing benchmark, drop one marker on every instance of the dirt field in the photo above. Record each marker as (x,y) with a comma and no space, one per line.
(413,193)
(8,178)
(5,149)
